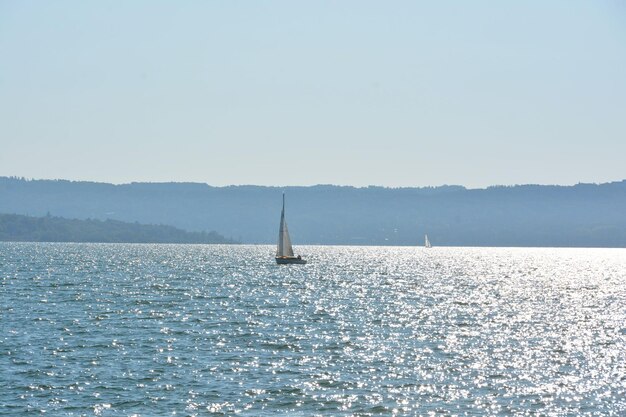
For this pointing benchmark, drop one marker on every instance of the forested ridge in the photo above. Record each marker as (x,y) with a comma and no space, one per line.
(17,228)
(522,215)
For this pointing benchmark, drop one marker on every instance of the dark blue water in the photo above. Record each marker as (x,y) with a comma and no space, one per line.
(151,330)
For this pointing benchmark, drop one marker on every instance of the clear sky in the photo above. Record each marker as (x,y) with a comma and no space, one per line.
(394,93)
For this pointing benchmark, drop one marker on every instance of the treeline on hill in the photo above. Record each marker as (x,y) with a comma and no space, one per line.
(525,215)
(17,228)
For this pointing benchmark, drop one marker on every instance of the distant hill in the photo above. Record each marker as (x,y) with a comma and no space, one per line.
(17,228)
(526,215)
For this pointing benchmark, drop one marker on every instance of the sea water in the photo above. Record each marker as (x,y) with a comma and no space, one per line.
(186,330)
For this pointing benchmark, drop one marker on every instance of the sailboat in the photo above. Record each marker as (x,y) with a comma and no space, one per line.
(284,252)
(427,242)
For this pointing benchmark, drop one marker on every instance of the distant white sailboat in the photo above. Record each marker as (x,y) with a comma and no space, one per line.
(284,252)
(427,242)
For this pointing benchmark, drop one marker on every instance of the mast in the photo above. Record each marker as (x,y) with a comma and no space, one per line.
(284,242)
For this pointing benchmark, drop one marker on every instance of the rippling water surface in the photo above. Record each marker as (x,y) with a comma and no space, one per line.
(148,330)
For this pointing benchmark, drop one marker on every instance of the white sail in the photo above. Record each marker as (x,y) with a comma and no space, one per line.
(427,242)
(284,242)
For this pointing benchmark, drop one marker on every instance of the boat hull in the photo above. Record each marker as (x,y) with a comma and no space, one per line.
(286,260)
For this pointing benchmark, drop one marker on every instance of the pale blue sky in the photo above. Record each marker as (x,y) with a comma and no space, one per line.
(395,93)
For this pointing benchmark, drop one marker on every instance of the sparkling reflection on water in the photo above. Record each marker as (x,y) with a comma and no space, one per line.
(121,330)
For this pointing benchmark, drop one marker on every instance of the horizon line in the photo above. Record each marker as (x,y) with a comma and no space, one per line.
(23,178)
